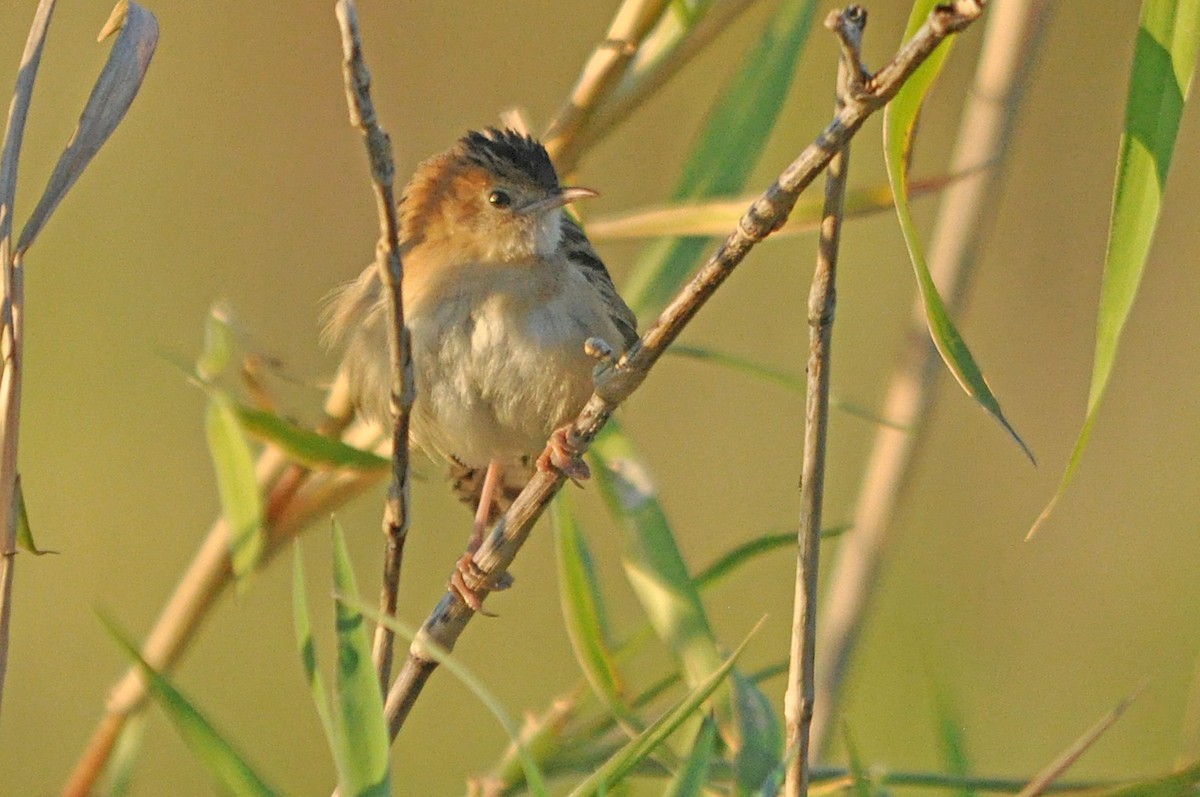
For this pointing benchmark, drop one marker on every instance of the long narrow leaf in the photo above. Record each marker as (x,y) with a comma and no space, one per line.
(1177,784)
(659,577)
(727,149)
(1164,61)
(112,94)
(240,500)
(24,530)
(224,765)
(583,609)
(306,446)
(308,655)
(692,777)
(900,118)
(718,216)
(637,749)
(358,706)
(533,775)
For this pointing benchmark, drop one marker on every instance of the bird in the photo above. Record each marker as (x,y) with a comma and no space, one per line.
(502,291)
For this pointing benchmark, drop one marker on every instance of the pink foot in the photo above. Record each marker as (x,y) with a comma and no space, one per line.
(471,596)
(560,455)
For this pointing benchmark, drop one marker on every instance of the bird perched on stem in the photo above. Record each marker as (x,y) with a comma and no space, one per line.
(501,291)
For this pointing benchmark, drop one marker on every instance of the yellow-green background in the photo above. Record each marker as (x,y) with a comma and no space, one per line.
(236,176)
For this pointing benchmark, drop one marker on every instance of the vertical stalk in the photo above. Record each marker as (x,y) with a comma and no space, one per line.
(822,304)
(1010,47)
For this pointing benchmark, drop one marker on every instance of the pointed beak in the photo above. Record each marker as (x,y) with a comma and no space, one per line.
(564,196)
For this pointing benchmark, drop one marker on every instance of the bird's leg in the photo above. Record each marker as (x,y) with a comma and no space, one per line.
(466,562)
(563,456)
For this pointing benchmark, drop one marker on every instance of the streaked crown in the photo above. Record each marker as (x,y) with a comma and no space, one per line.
(510,155)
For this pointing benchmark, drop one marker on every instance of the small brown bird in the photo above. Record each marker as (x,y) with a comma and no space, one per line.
(501,291)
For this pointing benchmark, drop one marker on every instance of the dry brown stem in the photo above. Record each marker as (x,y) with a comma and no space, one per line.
(822,305)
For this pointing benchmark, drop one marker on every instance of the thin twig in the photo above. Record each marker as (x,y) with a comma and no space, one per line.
(12,313)
(654,66)
(1055,769)
(615,383)
(822,305)
(600,75)
(391,275)
(1009,50)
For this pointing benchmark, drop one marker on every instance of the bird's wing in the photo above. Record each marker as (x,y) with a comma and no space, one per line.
(581,254)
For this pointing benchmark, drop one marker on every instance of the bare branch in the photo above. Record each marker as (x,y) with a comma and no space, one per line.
(822,304)
(391,275)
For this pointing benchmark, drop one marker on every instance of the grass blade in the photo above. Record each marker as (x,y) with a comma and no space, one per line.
(637,749)
(728,147)
(1164,60)
(241,503)
(583,610)
(659,577)
(308,654)
(358,704)
(224,765)
(1176,784)
(533,775)
(692,777)
(900,118)
(306,446)
(24,530)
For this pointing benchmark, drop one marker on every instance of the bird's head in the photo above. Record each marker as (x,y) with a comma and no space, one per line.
(493,197)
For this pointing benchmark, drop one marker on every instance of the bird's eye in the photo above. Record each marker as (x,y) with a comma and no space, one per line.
(500,199)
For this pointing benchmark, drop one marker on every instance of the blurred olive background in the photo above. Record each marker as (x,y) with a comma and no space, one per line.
(236,176)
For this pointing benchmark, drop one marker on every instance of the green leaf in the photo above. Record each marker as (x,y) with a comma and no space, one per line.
(118,772)
(900,118)
(954,746)
(533,775)
(225,766)
(692,777)
(358,705)
(859,779)
(240,500)
(308,656)
(742,364)
(726,150)
(24,531)
(659,577)
(640,747)
(1164,60)
(306,446)
(583,610)
(218,343)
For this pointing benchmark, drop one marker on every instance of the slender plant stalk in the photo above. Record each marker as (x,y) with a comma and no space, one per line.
(12,315)
(618,380)
(391,275)
(600,76)
(1009,50)
(646,74)
(822,306)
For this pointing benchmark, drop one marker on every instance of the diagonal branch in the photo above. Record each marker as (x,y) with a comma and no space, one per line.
(617,381)
(391,275)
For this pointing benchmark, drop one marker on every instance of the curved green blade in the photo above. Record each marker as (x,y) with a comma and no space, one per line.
(358,705)
(224,765)
(1164,60)
(899,120)
(241,502)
